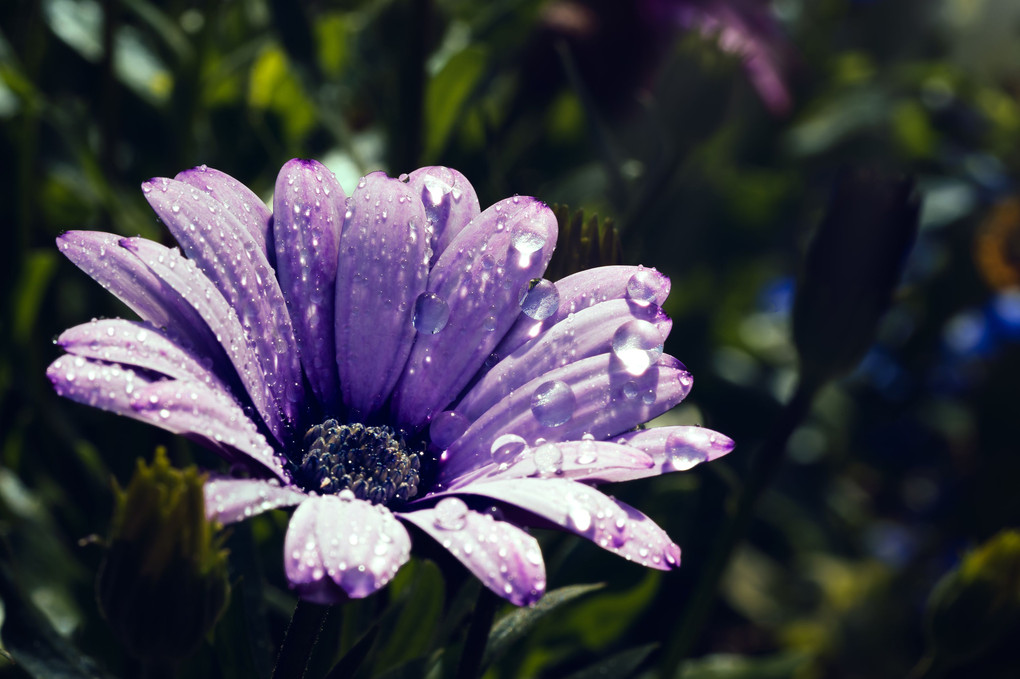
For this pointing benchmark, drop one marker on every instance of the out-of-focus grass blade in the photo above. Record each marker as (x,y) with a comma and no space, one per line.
(617,666)
(447,94)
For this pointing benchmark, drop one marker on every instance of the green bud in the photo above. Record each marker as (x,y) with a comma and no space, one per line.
(163,582)
(582,243)
(850,271)
(977,605)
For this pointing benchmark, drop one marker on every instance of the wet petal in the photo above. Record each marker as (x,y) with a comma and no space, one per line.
(338,548)
(237,198)
(638,285)
(382,271)
(119,271)
(580,335)
(673,449)
(225,252)
(505,558)
(594,396)
(182,276)
(100,385)
(450,203)
(197,411)
(137,344)
(308,205)
(479,278)
(586,460)
(230,500)
(609,523)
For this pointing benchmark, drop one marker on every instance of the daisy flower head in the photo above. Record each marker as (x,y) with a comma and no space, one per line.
(392,364)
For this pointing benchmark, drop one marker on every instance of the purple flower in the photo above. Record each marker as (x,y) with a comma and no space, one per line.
(387,361)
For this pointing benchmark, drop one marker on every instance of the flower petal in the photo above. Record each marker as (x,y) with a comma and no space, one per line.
(610,524)
(119,271)
(586,460)
(337,547)
(587,333)
(308,206)
(636,284)
(237,198)
(213,417)
(225,252)
(137,344)
(505,558)
(450,203)
(479,280)
(593,396)
(383,269)
(182,276)
(100,385)
(673,449)
(230,500)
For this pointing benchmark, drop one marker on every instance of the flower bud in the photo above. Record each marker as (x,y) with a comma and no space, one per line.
(977,605)
(163,582)
(850,271)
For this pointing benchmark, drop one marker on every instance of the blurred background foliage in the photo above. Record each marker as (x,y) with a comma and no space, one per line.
(708,175)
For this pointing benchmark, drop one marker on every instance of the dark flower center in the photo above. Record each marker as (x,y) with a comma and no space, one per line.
(374,463)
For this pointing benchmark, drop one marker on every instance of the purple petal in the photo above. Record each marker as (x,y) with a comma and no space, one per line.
(109,387)
(636,284)
(673,449)
(182,276)
(587,333)
(479,279)
(586,460)
(450,203)
(594,396)
(337,548)
(238,199)
(308,206)
(119,271)
(383,269)
(225,252)
(230,500)
(609,523)
(211,416)
(137,344)
(505,558)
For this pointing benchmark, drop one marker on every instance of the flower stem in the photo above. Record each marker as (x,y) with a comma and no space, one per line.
(764,465)
(478,634)
(299,640)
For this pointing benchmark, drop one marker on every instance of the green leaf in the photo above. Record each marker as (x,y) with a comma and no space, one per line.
(446,95)
(621,664)
(509,629)
(781,666)
(406,637)
(33,643)
(614,611)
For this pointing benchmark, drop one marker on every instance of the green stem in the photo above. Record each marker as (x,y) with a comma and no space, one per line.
(478,634)
(298,642)
(764,465)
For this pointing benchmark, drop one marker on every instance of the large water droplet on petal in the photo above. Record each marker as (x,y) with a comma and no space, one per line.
(642,286)
(526,243)
(451,514)
(506,449)
(431,313)
(540,299)
(447,427)
(681,454)
(638,345)
(578,515)
(548,459)
(553,403)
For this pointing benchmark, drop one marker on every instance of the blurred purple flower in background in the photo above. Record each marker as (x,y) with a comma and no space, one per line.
(389,360)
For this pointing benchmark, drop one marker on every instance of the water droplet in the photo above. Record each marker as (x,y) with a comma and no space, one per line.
(447,427)
(431,313)
(642,286)
(553,403)
(579,517)
(451,514)
(506,449)
(587,452)
(526,243)
(548,459)
(638,345)
(681,454)
(540,299)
